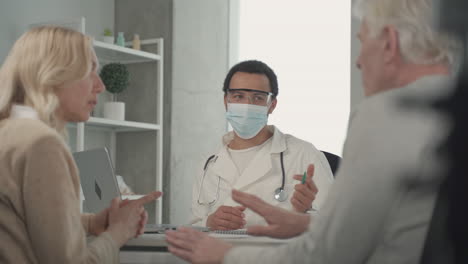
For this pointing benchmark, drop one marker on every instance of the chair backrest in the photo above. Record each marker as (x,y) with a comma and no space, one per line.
(333,160)
(438,248)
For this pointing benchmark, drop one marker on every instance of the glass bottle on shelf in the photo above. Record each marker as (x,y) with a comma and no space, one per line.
(136,44)
(121,39)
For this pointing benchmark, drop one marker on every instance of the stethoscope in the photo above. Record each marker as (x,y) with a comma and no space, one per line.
(280,193)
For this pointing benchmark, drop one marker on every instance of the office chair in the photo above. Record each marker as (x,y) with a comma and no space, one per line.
(333,160)
(446,241)
(438,248)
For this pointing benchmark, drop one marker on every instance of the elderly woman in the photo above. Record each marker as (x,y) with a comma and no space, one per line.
(50,78)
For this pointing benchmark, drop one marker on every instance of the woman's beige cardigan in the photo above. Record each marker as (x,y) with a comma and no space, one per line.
(40,220)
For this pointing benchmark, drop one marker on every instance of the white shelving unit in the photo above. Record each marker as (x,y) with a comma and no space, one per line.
(121,126)
(108,53)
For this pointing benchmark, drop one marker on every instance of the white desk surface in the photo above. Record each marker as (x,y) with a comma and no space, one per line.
(159,240)
(152,248)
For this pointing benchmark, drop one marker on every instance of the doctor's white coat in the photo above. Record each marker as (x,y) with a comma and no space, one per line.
(261,177)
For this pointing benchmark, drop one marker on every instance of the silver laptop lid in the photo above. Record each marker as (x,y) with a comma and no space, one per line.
(97,179)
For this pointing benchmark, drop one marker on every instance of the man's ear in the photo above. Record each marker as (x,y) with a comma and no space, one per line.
(225,102)
(273,106)
(391,41)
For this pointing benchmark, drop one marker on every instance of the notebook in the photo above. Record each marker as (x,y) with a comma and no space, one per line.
(162,228)
(231,232)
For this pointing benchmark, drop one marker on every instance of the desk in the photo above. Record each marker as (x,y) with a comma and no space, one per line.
(152,248)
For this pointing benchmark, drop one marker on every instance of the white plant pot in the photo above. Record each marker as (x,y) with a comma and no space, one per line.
(108,39)
(114,110)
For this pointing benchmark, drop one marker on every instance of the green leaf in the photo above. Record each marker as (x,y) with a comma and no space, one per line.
(115,77)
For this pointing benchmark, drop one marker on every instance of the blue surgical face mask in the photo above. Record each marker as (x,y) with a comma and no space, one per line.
(246,119)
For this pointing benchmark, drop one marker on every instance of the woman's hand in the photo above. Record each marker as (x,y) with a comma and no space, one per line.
(128,221)
(99,222)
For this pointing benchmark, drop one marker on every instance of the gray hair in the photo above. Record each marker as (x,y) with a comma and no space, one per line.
(414,20)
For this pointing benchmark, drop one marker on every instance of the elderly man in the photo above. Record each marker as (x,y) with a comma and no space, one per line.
(379,210)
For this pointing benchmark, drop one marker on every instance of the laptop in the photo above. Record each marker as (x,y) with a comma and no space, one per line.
(97,177)
(100,186)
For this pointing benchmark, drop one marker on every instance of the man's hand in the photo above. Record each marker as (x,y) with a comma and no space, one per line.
(196,247)
(227,218)
(281,223)
(304,194)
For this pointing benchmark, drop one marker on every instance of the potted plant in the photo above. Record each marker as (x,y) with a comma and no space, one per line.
(107,36)
(115,77)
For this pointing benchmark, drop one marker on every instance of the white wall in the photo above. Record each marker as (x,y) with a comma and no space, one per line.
(16,15)
(307,44)
(200,62)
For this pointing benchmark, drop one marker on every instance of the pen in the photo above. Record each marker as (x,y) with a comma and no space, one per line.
(304,176)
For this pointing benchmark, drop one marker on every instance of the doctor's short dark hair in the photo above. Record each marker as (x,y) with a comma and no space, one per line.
(253,66)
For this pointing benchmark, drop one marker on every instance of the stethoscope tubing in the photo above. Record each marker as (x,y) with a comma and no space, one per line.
(282,171)
(278,191)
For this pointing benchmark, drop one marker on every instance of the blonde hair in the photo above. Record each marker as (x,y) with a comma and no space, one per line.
(43,60)
(413,19)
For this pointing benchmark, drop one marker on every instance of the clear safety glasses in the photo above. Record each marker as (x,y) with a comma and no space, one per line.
(249,96)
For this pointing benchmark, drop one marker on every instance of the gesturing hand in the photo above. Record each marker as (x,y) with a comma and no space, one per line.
(227,218)
(126,221)
(143,219)
(304,194)
(281,223)
(196,247)
(99,222)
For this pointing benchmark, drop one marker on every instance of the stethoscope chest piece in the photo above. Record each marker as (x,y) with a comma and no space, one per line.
(281,195)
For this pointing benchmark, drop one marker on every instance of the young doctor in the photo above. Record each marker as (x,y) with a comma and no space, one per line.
(257,158)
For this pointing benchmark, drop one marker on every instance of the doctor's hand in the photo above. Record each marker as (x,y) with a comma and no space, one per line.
(227,218)
(196,247)
(304,194)
(281,223)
